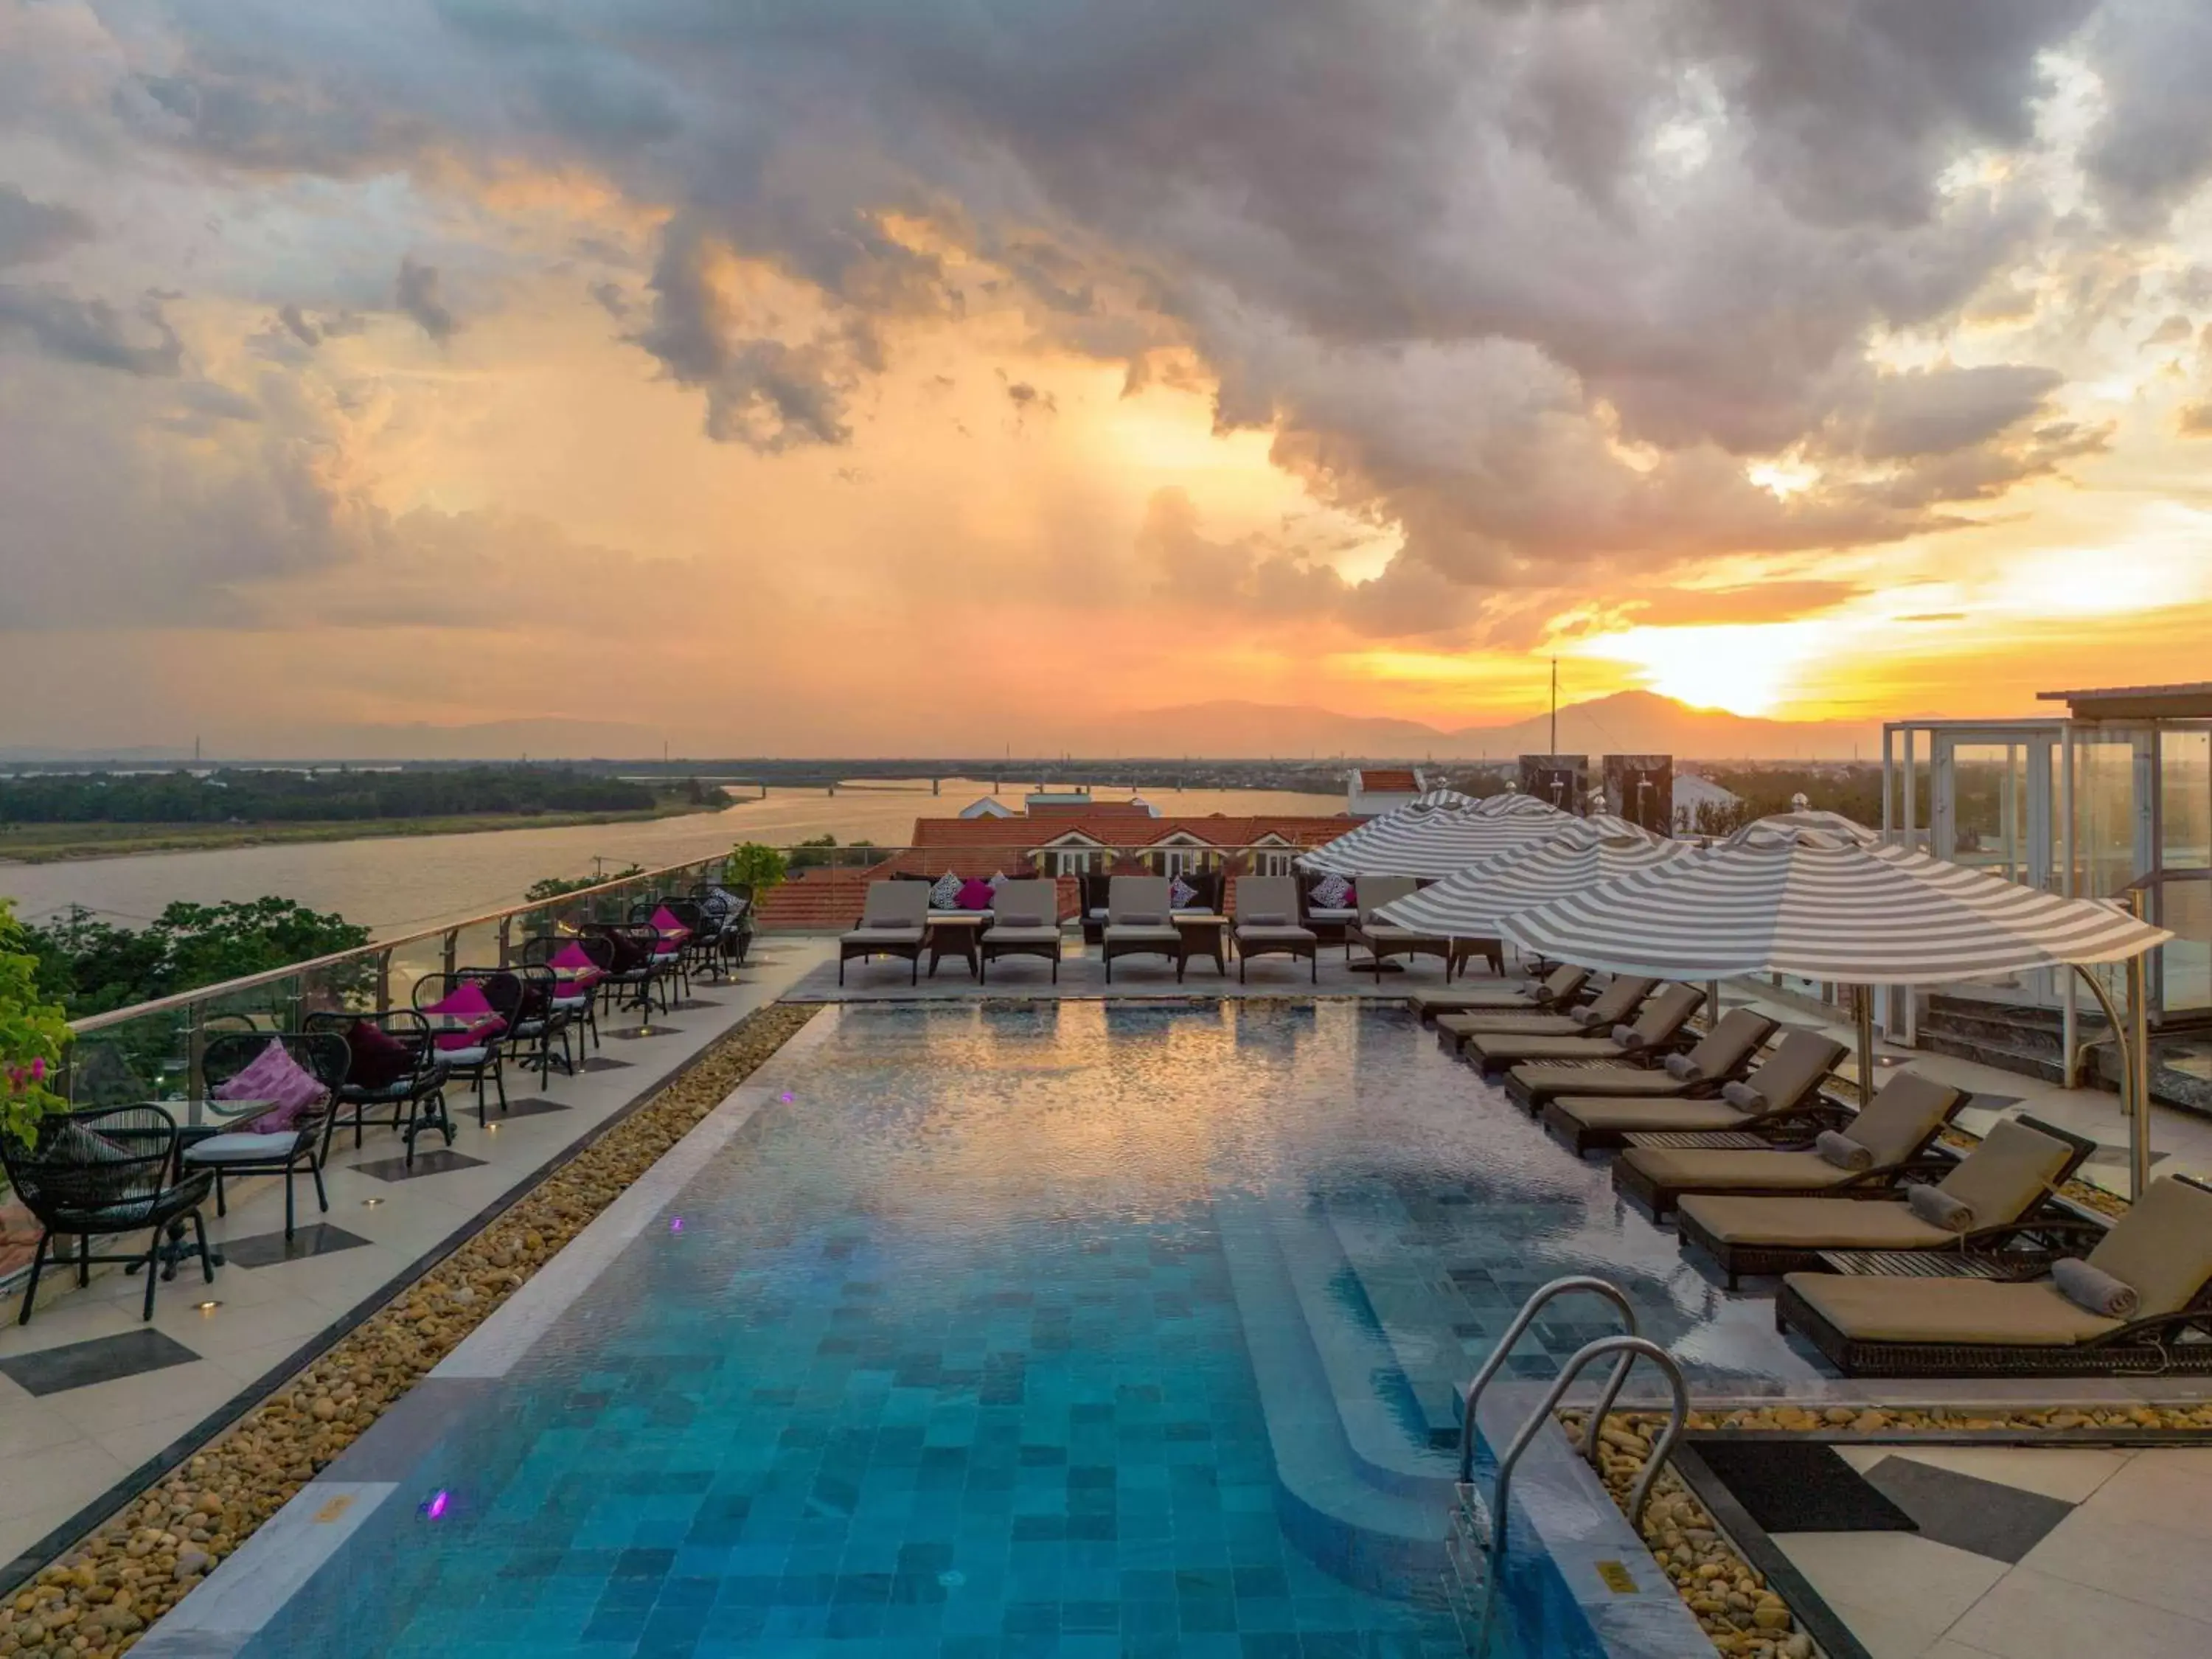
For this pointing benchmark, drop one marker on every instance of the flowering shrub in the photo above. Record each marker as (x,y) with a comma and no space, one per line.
(32,1034)
(760,868)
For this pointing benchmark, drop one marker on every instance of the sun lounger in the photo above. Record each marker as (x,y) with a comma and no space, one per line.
(2160,1250)
(1267,924)
(1138,921)
(1717,1060)
(1618,1001)
(1779,1091)
(894,920)
(1025,922)
(1381,940)
(1554,992)
(2001,1183)
(1890,1132)
(1657,1030)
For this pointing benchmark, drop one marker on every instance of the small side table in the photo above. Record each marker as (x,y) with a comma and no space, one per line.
(955,935)
(1202,935)
(1464,951)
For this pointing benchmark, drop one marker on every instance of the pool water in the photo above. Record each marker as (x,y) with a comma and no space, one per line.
(1073,1328)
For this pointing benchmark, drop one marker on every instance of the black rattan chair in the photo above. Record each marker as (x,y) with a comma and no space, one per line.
(97,1173)
(485,1058)
(233,1149)
(412,1089)
(579,1007)
(672,962)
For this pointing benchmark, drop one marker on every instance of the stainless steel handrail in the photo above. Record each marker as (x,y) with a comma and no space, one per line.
(1631,1349)
(1541,1296)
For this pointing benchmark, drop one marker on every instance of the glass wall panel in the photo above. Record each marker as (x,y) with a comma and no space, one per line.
(2185,843)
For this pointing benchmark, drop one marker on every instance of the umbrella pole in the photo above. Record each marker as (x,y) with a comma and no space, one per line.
(1712,1003)
(1862,997)
(2138,1063)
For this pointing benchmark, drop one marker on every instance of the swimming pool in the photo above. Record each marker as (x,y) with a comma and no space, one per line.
(997,1329)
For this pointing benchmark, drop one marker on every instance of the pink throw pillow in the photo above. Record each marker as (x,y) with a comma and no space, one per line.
(974,895)
(466,999)
(670,925)
(276,1077)
(572,956)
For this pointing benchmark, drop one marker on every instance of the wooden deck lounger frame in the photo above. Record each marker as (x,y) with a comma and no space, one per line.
(1657,1200)
(2142,1347)
(1804,1115)
(2046,1230)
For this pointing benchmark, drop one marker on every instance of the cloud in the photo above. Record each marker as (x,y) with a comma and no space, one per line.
(1756,602)
(61,325)
(31,231)
(417,293)
(2153,147)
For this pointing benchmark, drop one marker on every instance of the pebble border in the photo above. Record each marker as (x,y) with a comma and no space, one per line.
(101,1595)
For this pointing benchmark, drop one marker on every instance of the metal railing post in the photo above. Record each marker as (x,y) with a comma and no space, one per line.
(453,947)
(384,979)
(195,1057)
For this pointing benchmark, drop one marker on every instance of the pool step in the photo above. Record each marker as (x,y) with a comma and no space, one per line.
(1400,1281)
(1385,1542)
(1384,1423)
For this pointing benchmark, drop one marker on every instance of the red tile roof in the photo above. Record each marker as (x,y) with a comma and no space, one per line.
(1385,781)
(1122,829)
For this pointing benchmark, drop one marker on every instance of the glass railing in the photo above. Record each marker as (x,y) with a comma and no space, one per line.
(151,1050)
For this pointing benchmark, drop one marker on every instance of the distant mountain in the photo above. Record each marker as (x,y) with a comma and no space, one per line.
(1627,722)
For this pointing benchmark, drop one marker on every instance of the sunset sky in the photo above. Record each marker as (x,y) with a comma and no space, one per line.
(905,375)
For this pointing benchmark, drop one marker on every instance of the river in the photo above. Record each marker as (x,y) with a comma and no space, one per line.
(399,884)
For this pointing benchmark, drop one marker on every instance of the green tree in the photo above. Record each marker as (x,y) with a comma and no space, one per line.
(34,1033)
(93,966)
(757,867)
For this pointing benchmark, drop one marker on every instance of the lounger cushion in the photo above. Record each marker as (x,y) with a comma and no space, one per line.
(474,1055)
(1330,912)
(1708,1168)
(1255,934)
(242,1148)
(1633,1082)
(883,936)
(1813,1224)
(1902,1114)
(1511,1024)
(1504,1048)
(1125,932)
(1008,933)
(1638,1116)
(1266,919)
(2163,1246)
(1874,1309)
(1384,934)
(2006,1175)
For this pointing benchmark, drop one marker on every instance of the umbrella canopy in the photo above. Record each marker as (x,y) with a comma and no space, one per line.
(1825,909)
(1429,800)
(1779,828)
(1469,904)
(1433,844)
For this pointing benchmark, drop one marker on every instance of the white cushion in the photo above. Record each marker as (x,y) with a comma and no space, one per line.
(1097,913)
(474,1056)
(241,1148)
(569,1005)
(884,936)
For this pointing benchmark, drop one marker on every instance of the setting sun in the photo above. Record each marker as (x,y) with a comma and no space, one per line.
(1746,668)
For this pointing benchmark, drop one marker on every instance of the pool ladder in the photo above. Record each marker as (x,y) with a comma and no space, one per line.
(1476,1544)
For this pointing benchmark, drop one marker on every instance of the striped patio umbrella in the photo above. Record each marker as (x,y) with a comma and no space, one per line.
(1433,844)
(1827,909)
(1778,828)
(1469,904)
(1429,800)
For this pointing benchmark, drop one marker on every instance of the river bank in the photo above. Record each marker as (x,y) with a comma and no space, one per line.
(51,843)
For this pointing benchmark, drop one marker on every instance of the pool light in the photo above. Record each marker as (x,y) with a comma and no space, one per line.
(440,1502)
(676,1224)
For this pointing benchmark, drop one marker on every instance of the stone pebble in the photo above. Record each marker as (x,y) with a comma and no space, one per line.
(96,1600)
